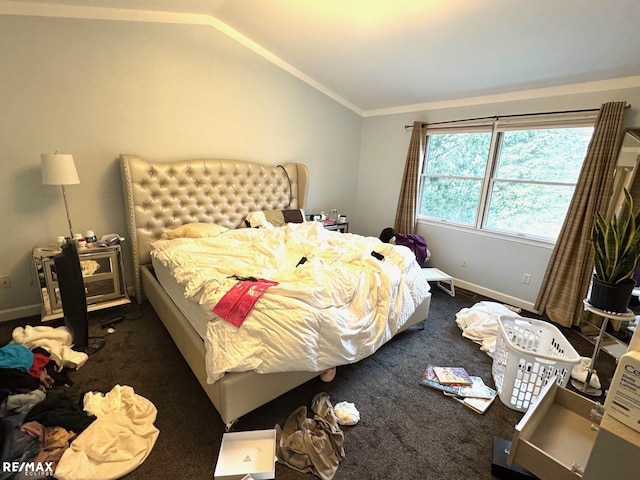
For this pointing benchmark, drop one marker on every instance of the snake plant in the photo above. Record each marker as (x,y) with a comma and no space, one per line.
(617,244)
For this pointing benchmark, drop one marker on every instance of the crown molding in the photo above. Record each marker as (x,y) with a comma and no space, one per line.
(573,89)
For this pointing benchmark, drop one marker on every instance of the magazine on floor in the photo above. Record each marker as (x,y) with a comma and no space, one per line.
(477,396)
(430,380)
(452,375)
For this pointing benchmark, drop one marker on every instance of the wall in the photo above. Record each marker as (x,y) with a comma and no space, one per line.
(98,88)
(495,264)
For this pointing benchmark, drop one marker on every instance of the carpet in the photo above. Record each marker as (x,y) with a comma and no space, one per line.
(405,431)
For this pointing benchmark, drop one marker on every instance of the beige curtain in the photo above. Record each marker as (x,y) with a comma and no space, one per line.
(566,281)
(408,201)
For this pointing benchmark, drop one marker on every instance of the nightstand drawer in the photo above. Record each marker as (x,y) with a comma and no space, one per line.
(555,437)
(565,436)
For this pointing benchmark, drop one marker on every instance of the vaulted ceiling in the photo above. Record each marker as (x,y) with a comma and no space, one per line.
(380,55)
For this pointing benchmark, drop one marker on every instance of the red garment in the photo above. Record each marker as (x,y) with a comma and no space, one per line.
(236,304)
(40,361)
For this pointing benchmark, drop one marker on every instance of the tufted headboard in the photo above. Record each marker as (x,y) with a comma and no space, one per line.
(163,195)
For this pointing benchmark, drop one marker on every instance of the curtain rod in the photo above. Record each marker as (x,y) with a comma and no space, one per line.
(586,110)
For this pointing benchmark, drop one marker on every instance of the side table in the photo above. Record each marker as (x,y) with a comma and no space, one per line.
(585,386)
(102,272)
(338,227)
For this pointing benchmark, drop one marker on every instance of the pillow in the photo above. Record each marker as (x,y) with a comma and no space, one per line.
(257,220)
(194,230)
(274,218)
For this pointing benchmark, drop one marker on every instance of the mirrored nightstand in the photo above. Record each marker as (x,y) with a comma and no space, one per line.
(102,272)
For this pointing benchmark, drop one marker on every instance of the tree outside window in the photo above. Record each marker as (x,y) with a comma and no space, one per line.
(515,181)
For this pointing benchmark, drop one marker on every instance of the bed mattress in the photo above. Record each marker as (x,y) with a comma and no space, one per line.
(193,311)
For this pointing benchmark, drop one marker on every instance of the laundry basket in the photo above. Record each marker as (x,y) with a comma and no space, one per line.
(528,354)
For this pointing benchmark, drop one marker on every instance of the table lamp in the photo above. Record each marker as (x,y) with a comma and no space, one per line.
(59,169)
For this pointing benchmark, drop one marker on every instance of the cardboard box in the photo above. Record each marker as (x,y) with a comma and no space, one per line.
(243,453)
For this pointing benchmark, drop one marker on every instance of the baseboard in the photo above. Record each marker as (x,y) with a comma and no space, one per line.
(498,296)
(20,312)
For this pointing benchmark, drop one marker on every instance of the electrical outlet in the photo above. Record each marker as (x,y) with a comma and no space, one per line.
(465,262)
(5,281)
(526,278)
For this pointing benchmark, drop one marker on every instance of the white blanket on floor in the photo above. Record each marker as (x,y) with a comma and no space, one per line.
(117,442)
(480,323)
(56,340)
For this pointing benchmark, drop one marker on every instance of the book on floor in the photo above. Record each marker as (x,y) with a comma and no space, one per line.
(452,376)
(478,396)
(477,389)
(430,380)
(478,405)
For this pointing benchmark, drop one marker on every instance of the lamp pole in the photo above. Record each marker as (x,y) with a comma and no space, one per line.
(66,206)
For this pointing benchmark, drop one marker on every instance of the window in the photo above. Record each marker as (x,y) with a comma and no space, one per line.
(514,177)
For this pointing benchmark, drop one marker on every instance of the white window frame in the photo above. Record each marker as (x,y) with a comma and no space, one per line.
(496,126)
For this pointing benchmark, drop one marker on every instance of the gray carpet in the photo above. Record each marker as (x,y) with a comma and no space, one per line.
(406,430)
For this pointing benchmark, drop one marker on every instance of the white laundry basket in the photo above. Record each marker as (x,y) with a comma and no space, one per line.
(528,354)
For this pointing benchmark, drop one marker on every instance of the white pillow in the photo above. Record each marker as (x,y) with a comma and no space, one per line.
(257,220)
(273,218)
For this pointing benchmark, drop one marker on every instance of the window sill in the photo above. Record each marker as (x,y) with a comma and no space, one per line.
(487,233)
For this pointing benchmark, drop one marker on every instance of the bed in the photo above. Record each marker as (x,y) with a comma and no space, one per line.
(161,196)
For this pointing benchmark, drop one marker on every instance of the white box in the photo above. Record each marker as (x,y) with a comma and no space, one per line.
(623,399)
(243,453)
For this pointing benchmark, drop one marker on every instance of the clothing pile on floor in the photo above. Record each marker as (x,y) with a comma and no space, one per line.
(480,323)
(44,433)
(312,445)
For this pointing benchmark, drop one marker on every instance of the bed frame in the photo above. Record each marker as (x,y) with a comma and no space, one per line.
(162,195)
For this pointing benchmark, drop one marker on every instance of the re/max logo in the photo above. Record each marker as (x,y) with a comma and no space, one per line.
(632,370)
(28,468)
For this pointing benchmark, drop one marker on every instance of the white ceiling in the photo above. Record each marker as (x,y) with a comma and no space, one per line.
(384,54)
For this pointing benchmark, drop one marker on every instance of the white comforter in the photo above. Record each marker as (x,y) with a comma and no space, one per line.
(337,308)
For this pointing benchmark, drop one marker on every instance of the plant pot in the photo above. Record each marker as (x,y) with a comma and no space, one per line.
(611,297)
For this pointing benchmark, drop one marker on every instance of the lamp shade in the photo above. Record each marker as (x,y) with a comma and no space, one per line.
(58,169)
